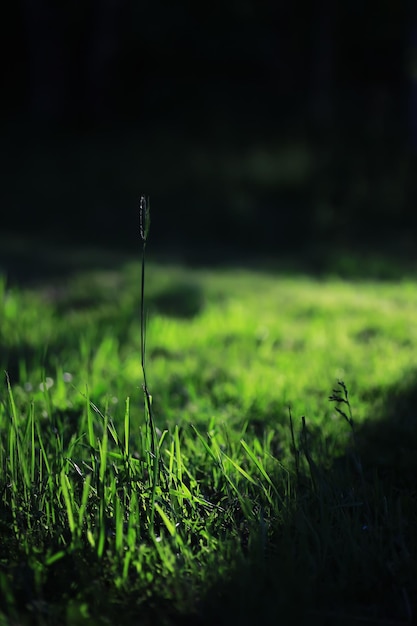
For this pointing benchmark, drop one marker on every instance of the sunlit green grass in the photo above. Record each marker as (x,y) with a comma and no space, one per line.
(234,520)
(251,341)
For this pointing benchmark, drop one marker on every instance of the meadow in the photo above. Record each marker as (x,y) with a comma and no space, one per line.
(266,472)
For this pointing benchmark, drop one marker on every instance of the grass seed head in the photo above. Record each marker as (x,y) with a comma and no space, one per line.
(144,217)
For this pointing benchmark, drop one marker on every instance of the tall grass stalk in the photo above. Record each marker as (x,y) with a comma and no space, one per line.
(154,466)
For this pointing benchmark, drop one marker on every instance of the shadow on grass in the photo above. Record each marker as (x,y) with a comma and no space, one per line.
(33,262)
(28,262)
(52,270)
(347,551)
(388,441)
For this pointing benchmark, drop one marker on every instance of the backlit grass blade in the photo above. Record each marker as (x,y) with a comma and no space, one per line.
(43,454)
(205,445)
(240,469)
(84,500)
(68,499)
(127,428)
(258,463)
(103,444)
(178,456)
(32,443)
(118,521)
(170,526)
(90,421)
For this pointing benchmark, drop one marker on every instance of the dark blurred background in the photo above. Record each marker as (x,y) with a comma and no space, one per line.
(253,125)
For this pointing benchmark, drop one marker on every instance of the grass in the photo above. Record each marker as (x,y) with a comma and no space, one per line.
(229,487)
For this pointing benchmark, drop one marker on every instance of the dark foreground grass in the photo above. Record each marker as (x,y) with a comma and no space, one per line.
(208,502)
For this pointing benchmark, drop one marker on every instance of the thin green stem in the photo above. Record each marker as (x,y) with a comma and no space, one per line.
(154,449)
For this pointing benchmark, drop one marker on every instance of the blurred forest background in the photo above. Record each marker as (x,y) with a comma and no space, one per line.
(253,125)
